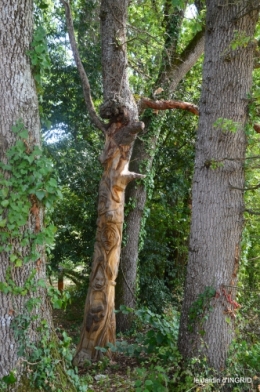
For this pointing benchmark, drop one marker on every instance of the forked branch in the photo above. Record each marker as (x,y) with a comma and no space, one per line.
(84,79)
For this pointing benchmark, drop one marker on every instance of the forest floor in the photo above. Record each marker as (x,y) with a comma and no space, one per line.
(125,373)
(102,376)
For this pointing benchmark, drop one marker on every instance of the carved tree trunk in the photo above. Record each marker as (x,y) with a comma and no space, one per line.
(217,201)
(173,71)
(120,109)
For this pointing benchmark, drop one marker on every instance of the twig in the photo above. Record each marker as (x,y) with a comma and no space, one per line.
(144,32)
(240,288)
(29,363)
(254,258)
(136,67)
(245,189)
(254,157)
(247,9)
(84,79)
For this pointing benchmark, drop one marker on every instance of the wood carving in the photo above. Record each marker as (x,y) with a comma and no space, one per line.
(99,318)
(119,107)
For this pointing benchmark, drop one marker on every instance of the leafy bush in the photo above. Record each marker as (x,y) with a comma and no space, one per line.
(157,336)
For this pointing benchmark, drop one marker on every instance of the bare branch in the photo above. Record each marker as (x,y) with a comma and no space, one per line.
(84,79)
(254,258)
(130,176)
(141,31)
(250,6)
(178,68)
(254,157)
(234,159)
(170,104)
(187,59)
(146,103)
(136,67)
(252,188)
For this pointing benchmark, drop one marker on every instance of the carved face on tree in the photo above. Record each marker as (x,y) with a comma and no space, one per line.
(109,236)
(110,201)
(97,311)
(99,280)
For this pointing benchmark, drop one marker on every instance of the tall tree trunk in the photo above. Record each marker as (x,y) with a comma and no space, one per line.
(22,261)
(120,109)
(18,103)
(173,71)
(217,199)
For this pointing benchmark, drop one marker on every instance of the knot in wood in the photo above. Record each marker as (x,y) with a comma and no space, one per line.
(115,111)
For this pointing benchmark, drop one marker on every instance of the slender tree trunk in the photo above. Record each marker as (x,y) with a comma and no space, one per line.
(217,200)
(120,109)
(170,75)
(126,282)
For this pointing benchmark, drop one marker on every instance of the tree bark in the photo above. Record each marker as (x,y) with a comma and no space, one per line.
(19,104)
(217,206)
(173,71)
(120,109)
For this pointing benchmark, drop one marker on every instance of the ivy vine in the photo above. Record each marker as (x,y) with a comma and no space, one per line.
(200,308)
(28,187)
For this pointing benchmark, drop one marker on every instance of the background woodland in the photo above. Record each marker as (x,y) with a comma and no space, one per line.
(165,53)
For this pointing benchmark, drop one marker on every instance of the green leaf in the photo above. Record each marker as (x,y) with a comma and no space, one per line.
(41,283)
(40,194)
(4,288)
(4,192)
(228,320)
(18,263)
(10,379)
(57,303)
(43,6)
(3,222)
(13,257)
(178,3)
(17,127)
(24,134)
(4,203)
(102,349)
